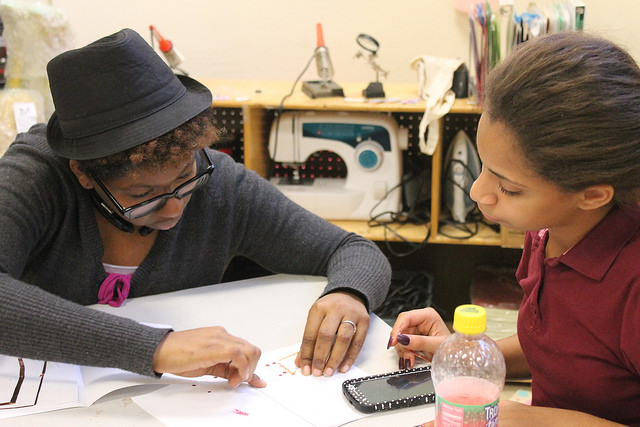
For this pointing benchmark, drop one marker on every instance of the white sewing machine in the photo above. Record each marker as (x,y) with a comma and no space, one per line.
(370,145)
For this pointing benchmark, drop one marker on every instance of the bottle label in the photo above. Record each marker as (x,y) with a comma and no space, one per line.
(467,414)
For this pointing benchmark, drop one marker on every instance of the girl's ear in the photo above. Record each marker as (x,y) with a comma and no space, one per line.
(596,196)
(83,178)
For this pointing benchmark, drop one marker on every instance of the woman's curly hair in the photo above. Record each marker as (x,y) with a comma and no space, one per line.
(171,149)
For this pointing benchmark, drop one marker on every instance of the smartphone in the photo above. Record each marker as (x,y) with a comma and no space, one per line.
(394,390)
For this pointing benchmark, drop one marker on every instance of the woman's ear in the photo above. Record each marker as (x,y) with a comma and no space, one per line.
(83,178)
(596,196)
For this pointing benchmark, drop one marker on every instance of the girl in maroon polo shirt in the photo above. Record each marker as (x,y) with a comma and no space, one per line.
(559,140)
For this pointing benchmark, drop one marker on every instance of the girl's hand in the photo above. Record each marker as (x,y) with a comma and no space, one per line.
(417,333)
(208,351)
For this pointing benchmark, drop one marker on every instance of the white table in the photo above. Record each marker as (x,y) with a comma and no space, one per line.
(270,312)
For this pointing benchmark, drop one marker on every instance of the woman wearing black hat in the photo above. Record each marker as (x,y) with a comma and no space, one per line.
(119,196)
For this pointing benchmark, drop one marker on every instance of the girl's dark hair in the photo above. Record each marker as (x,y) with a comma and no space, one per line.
(170,149)
(573,102)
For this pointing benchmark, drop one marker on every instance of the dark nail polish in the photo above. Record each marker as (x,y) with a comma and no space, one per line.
(403,339)
(389,343)
(401,363)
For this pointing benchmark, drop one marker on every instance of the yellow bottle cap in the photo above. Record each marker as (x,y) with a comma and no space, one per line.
(470,319)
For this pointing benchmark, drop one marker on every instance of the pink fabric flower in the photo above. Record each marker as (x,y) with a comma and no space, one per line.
(115,289)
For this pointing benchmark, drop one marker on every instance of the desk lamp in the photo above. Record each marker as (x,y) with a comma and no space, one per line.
(371,45)
(325,86)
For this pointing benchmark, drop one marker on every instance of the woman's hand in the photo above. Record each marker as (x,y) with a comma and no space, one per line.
(417,332)
(208,351)
(329,342)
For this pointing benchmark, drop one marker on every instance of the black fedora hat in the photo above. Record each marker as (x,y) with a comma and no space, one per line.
(114,94)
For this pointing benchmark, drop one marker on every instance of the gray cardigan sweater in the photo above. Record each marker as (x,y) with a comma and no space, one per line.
(51,255)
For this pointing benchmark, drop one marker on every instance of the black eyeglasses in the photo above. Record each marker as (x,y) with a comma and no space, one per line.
(145,208)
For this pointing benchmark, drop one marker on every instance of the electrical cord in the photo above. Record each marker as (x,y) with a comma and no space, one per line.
(281,106)
(409,290)
(417,208)
(400,217)
(471,229)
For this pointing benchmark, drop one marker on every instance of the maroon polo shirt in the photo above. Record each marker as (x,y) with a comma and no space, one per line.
(579,322)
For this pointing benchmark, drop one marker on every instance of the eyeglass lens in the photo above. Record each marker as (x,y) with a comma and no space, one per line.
(179,193)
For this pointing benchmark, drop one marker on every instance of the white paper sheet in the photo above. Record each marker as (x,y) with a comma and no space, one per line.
(290,399)
(319,400)
(213,402)
(30,386)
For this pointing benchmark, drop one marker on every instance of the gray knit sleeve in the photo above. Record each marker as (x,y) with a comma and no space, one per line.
(286,238)
(39,325)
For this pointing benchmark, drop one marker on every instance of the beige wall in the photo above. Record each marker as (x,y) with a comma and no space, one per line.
(273,39)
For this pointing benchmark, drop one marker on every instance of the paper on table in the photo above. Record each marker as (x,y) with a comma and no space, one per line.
(318,400)
(24,386)
(212,401)
(290,399)
(34,386)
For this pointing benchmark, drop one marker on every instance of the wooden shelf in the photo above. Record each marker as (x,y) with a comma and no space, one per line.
(256,98)
(394,232)
(269,94)
(405,232)
(452,236)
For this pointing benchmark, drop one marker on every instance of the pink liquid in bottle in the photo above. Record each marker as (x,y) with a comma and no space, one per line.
(467,401)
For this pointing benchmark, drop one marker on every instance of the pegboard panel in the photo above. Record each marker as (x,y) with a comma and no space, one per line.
(411,122)
(322,164)
(230,122)
(456,122)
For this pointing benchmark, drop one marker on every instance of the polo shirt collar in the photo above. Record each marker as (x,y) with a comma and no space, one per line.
(596,252)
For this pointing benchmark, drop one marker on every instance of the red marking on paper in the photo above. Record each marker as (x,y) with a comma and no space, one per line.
(283,363)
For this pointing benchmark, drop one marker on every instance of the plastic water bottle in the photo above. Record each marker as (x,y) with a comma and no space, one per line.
(468,372)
